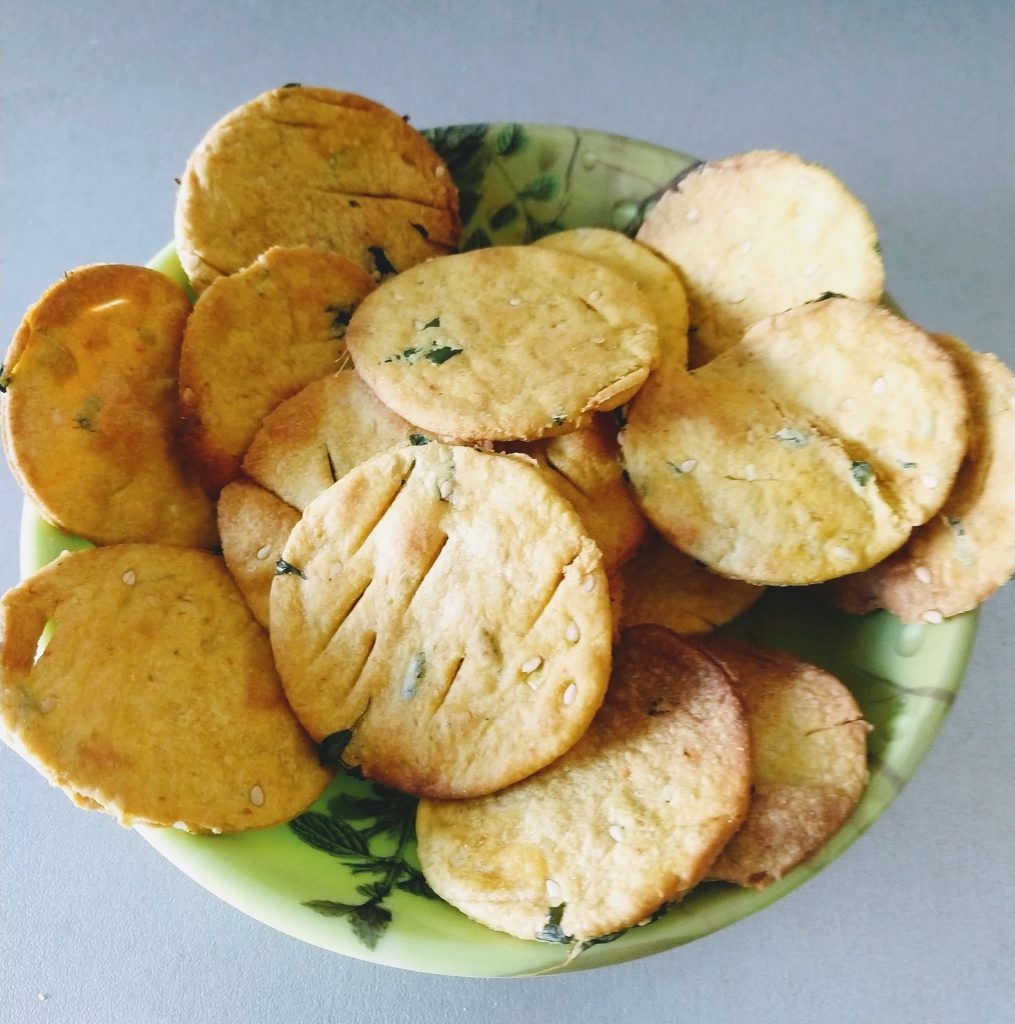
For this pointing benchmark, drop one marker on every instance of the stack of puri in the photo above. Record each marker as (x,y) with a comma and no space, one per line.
(478,510)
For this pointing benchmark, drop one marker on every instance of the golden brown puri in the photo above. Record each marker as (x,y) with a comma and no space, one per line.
(626,821)
(318,435)
(91,420)
(255,339)
(254,525)
(509,343)
(310,166)
(585,468)
(809,743)
(446,607)
(667,587)
(155,698)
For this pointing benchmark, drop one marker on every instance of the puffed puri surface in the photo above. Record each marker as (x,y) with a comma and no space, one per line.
(155,699)
(442,619)
(626,821)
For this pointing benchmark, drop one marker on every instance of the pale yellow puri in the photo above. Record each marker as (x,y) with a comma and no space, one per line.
(657,280)
(667,587)
(254,525)
(319,434)
(625,822)
(310,166)
(501,344)
(881,385)
(758,233)
(967,551)
(91,420)
(155,699)
(809,743)
(255,339)
(443,610)
(585,468)
(752,487)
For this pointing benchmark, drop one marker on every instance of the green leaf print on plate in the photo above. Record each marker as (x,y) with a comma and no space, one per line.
(344,875)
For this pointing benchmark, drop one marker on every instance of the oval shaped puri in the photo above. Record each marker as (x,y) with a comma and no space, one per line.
(441,615)
(256,338)
(155,697)
(625,822)
(501,344)
(751,487)
(91,417)
(303,165)
(809,743)
(757,233)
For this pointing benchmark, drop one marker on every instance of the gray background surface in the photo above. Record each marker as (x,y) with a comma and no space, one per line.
(910,102)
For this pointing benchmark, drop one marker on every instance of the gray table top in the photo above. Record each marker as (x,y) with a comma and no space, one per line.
(911,103)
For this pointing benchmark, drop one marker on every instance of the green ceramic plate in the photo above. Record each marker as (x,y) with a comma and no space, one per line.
(351,857)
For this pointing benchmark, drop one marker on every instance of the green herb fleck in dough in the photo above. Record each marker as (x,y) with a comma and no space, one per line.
(877,246)
(292,85)
(558,419)
(5,379)
(384,266)
(551,930)
(436,322)
(284,568)
(413,674)
(907,465)
(441,354)
(418,439)
(862,473)
(85,416)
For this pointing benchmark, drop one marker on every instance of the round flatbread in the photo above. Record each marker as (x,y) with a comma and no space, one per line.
(585,468)
(255,339)
(667,587)
(318,435)
(501,344)
(411,633)
(310,166)
(808,451)
(155,699)
(91,419)
(750,487)
(254,525)
(962,555)
(626,821)
(809,743)
(758,233)
(656,279)
(875,381)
